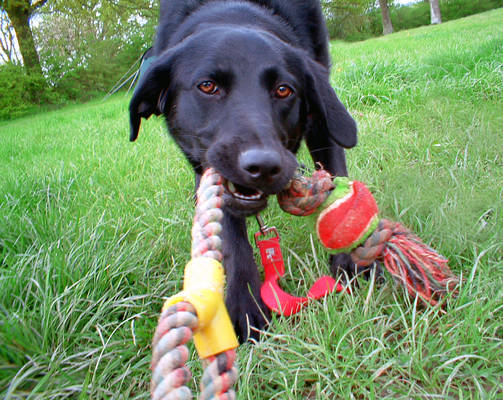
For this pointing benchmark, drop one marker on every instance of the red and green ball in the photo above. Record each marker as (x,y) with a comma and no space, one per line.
(347,217)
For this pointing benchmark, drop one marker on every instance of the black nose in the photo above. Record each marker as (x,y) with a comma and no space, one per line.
(260,165)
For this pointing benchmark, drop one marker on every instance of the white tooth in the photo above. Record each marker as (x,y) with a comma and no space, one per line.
(231,187)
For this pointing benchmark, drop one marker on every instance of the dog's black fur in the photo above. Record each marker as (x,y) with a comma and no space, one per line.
(240,84)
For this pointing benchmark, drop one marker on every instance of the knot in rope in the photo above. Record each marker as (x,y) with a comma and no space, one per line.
(304,194)
(367,253)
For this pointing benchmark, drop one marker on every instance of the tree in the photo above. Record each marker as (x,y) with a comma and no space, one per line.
(85,46)
(436,18)
(20,13)
(345,17)
(8,51)
(387,26)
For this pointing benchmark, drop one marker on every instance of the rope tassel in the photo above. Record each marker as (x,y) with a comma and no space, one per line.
(410,261)
(347,221)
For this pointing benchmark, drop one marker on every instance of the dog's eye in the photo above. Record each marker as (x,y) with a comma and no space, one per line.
(283,91)
(208,87)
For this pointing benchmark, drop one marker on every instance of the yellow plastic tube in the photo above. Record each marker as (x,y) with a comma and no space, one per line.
(203,287)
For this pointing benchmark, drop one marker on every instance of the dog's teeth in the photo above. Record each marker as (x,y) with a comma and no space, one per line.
(231,187)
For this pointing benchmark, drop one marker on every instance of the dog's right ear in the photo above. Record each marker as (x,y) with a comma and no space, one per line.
(151,93)
(330,116)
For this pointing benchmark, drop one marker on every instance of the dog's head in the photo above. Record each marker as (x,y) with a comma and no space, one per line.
(239,100)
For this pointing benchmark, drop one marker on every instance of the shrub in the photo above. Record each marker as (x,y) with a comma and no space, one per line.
(454,9)
(85,51)
(413,16)
(20,92)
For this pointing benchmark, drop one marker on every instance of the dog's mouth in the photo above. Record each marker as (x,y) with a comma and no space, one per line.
(244,193)
(243,201)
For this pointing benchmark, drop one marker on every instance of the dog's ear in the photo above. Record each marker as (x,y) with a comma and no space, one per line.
(327,112)
(152,92)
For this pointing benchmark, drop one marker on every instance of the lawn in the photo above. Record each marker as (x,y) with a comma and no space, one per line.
(95,232)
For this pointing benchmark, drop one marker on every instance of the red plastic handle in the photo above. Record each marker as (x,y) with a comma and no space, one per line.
(274,267)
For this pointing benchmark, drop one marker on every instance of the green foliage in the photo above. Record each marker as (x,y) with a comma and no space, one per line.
(361,19)
(346,18)
(21,92)
(418,14)
(409,17)
(85,48)
(454,9)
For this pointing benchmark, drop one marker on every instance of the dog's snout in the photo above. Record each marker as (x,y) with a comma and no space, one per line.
(260,164)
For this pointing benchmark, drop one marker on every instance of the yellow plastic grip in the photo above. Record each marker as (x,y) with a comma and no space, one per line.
(203,287)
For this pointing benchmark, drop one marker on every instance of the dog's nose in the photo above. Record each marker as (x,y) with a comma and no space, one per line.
(260,165)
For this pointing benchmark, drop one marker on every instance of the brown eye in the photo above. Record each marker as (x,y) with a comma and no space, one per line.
(283,91)
(208,87)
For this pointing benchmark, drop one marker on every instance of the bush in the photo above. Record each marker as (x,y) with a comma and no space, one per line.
(454,9)
(77,66)
(94,69)
(418,14)
(20,92)
(413,16)
(84,51)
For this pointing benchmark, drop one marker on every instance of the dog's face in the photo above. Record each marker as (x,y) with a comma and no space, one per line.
(240,100)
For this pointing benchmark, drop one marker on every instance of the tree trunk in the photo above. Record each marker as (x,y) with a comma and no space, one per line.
(387,26)
(19,15)
(436,18)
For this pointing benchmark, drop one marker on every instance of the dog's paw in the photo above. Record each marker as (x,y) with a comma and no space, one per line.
(248,313)
(342,266)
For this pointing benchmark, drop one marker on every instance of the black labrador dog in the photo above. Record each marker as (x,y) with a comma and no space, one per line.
(240,84)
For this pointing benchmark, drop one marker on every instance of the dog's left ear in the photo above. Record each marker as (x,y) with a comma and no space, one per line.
(328,113)
(151,93)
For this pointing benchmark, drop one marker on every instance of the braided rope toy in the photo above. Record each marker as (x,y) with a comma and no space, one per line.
(198,312)
(347,221)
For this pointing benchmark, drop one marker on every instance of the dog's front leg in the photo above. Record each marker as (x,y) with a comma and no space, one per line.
(243,300)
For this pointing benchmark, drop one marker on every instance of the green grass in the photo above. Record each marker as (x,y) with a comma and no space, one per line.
(94,232)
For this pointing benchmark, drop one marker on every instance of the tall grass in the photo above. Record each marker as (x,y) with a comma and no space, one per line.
(94,233)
